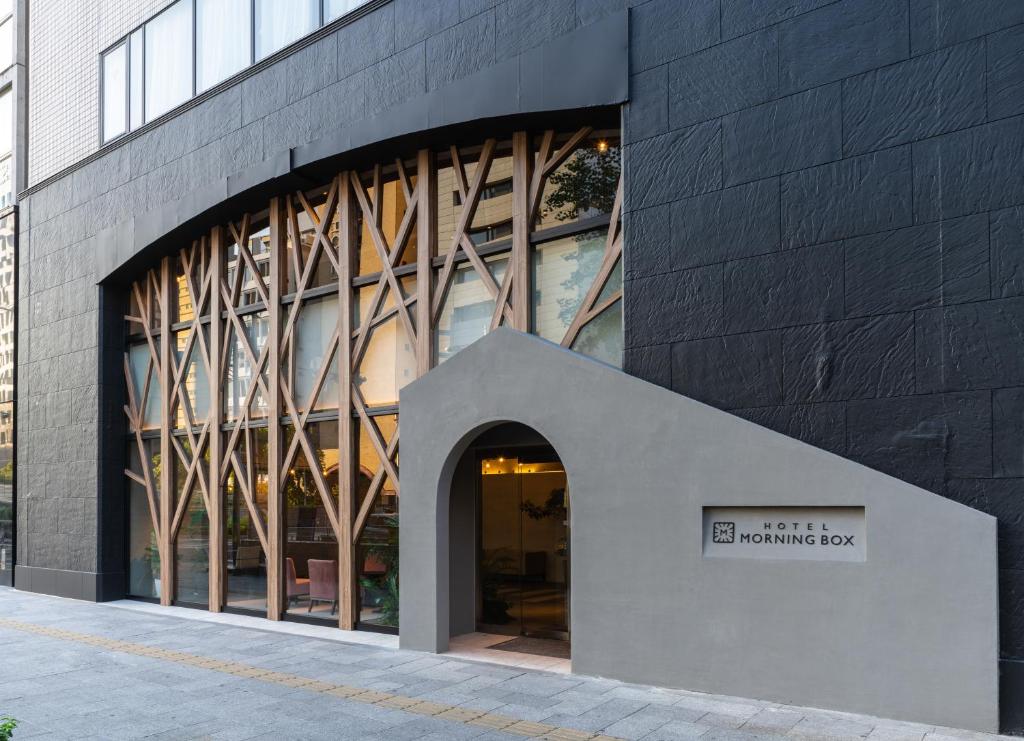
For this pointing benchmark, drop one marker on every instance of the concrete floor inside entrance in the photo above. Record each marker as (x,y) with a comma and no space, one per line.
(481,647)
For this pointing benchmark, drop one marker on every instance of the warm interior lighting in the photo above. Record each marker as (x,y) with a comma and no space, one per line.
(602,146)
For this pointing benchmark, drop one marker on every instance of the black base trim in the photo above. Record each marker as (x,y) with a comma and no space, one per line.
(85,585)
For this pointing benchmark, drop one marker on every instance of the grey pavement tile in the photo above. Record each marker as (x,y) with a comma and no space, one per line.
(830,728)
(773,720)
(639,724)
(677,730)
(730,734)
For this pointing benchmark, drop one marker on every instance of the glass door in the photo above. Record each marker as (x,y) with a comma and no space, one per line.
(524,546)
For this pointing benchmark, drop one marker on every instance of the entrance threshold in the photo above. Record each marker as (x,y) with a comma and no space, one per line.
(481,647)
(253,622)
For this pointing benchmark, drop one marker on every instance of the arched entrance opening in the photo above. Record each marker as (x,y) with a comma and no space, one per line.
(510,562)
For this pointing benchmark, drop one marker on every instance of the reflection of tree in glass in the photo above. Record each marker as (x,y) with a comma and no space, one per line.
(587,182)
(587,256)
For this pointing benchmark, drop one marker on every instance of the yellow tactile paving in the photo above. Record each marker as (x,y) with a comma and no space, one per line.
(451,713)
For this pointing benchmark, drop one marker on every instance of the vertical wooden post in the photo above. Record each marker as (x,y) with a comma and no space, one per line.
(215,442)
(426,248)
(166,454)
(348,238)
(275,494)
(520,262)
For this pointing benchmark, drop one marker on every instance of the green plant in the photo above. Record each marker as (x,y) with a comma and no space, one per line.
(385,587)
(494,566)
(553,507)
(7,726)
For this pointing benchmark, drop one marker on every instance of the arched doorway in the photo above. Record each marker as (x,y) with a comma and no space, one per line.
(510,506)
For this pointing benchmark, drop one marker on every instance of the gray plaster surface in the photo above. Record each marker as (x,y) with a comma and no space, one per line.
(59,689)
(910,632)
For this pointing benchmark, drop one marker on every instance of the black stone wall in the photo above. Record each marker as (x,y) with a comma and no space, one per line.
(826,236)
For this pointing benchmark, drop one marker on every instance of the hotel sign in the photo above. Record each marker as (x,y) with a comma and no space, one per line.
(792,533)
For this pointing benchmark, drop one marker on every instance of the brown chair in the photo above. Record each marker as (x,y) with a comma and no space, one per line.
(296,587)
(323,583)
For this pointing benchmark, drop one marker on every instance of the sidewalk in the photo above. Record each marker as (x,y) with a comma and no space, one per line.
(77,670)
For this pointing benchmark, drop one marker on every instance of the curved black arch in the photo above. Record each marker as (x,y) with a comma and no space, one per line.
(548,85)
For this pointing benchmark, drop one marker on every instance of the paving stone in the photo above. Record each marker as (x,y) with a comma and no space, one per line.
(169,699)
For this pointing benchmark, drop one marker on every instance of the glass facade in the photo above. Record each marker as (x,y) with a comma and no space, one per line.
(264,361)
(189,47)
(8,336)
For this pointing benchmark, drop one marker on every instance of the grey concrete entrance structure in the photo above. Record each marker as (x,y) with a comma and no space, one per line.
(911,632)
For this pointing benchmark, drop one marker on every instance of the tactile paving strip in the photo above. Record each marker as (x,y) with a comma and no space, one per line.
(450,713)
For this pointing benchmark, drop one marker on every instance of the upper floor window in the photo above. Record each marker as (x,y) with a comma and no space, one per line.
(191,46)
(168,80)
(6,148)
(217,58)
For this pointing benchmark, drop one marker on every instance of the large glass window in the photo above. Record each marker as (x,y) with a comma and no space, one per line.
(245,523)
(136,79)
(270,351)
(168,59)
(311,547)
(221,50)
(7,407)
(183,58)
(115,92)
(280,22)
(6,43)
(6,148)
(337,8)
(143,546)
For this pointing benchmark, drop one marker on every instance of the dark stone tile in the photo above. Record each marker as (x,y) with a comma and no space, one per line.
(673,306)
(1011,613)
(588,11)
(395,80)
(1004,500)
(731,371)
(524,24)
(784,289)
(663,30)
(724,78)
(921,97)
(1007,235)
(821,425)
(415,20)
(1008,432)
(460,51)
(740,17)
(936,264)
(937,23)
(851,359)
(805,130)
(653,364)
(842,199)
(841,40)
(727,224)
(674,165)
(649,244)
(1006,73)
(366,41)
(469,8)
(923,439)
(971,346)
(978,169)
(647,111)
